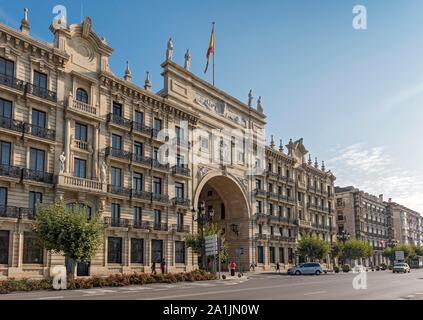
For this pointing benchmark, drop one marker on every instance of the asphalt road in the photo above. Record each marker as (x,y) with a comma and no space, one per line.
(268,286)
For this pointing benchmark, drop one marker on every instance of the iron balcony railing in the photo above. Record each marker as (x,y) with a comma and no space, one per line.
(9,212)
(260,192)
(141,159)
(35,175)
(273,195)
(139,127)
(182,142)
(119,190)
(27,213)
(181,228)
(118,153)
(140,194)
(272,174)
(10,171)
(160,197)
(137,224)
(41,92)
(113,118)
(12,124)
(181,170)
(40,131)
(12,82)
(181,201)
(117,222)
(160,226)
(261,236)
(158,165)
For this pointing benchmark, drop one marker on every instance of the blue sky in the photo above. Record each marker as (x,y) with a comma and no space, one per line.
(354,96)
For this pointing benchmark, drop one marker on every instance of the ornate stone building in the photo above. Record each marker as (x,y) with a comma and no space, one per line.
(365,217)
(407,224)
(71,130)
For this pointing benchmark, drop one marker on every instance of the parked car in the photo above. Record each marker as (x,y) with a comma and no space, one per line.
(306,268)
(401,267)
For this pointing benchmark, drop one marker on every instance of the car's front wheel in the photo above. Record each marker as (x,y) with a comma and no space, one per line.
(317,273)
(297,273)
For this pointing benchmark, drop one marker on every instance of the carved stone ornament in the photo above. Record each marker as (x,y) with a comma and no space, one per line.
(202,171)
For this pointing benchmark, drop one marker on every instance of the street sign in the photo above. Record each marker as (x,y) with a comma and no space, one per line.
(399,255)
(210,244)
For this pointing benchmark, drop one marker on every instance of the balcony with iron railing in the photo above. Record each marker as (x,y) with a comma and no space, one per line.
(35,175)
(180,228)
(140,194)
(118,153)
(120,121)
(10,171)
(160,226)
(159,165)
(141,128)
(27,213)
(261,236)
(180,142)
(12,82)
(272,175)
(272,195)
(181,170)
(184,202)
(304,223)
(11,124)
(117,222)
(83,107)
(40,132)
(119,190)
(140,159)
(260,192)
(41,92)
(137,224)
(160,197)
(9,212)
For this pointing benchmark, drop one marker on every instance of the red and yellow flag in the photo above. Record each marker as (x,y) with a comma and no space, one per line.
(210,50)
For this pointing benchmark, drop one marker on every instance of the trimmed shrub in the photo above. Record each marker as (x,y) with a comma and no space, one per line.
(336,269)
(346,268)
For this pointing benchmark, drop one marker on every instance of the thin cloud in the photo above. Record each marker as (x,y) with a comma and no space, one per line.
(401,97)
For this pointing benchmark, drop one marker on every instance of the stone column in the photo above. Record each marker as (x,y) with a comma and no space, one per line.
(67,143)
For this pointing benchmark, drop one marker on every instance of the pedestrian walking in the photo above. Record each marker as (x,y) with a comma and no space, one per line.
(253,266)
(153,268)
(163,266)
(278,267)
(232,266)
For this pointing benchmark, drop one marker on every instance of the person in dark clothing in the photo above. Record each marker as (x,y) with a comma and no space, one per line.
(163,266)
(153,268)
(278,267)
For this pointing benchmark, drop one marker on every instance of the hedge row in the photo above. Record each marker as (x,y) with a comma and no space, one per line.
(115,280)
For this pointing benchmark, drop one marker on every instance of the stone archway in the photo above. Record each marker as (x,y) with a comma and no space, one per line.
(232,213)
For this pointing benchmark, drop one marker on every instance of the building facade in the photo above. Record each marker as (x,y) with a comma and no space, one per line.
(71,130)
(365,217)
(407,224)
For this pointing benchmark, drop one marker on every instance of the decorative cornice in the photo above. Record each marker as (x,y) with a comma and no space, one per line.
(279,155)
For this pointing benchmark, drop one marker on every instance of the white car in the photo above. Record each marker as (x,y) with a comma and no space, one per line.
(306,268)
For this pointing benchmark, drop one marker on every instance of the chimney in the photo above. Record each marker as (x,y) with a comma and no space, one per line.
(381,197)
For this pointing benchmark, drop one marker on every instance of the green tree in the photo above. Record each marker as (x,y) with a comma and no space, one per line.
(418,250)
(337,250)
(409,252)
(68,231)
(195,241)
(357,249)
(312,247)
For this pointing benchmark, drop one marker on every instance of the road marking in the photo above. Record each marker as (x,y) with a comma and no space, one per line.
(89,292)
(411,296)
(46,298)
(160,289)
(419,293)
(315,292)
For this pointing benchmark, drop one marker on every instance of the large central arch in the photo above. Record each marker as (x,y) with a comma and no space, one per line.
(232,212)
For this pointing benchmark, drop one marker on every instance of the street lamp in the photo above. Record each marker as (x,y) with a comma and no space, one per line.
(392,244)
(202,219)
(343,236)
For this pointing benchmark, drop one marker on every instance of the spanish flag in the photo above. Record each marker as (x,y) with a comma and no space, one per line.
(210,49)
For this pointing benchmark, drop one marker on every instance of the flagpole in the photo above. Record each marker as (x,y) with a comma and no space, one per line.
(214,50)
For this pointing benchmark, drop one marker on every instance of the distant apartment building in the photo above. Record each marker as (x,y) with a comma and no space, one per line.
(364,217)
(407,224)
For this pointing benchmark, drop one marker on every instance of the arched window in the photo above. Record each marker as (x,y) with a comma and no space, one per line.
(81,95)
(81,206)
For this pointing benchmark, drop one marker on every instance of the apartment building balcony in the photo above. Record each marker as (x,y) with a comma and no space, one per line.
(11,124)
(274,237)
(141,128)
(180,142)
(261,216)
(144,225)
(180,228)
(118,153)
(27,213)
(261,236)
(117,222)
(119,121)
(119,190)
(273,195)
(10,171)
(12,82)
(302,185)
(272,175)
(77,183)
(40,92)
(160,226)
(40,132)
(83,108)
(160,166)
(181,171)
(183,202)
(260,193)
(35,175)
(139,159)
(341,218)
(160,197)
(9,212)
(81,145)
(304,223)
(140,194)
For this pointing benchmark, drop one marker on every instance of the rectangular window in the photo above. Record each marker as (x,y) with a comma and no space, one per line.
(281,255)
(137,216)
(5,109)
(32,249)
(260,254)
(80,132)
(7,67)
(79,169)
(114,250)
(4,247)
(280,211)
(115,214)
(180,220)
(138,149)
(116,177)
(288,213)
(272,230)
(179,132)
(139,117)
(272,254)
(40,84)
(137,181)
(157,124)
(156,154)
(137,250)
(3,198)
(156,251)
(117,109)
(157,217)
(36,159)
(270,209)
(258,184)
(290,255)
(258,207)
(5,151)
(179,190)
(116,142)
(34,198)
(260,228)
(179,161)
(157,185)
(204,143)
(179,252)
(38,118)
